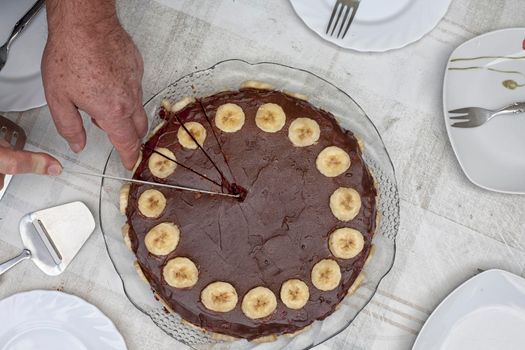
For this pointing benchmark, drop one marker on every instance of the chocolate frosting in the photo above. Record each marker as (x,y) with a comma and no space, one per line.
(278,232)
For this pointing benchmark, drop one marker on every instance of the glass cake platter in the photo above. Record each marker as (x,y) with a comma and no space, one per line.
(228,75)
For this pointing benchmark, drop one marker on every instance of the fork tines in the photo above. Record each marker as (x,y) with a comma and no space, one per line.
(349,8)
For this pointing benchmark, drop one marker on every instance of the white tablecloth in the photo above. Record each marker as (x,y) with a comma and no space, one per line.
(449,227)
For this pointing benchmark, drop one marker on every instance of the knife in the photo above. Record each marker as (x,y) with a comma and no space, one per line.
(157,184)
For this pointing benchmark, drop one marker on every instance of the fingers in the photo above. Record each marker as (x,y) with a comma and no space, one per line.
(126,141)
(141,121)
(20,162)
(139,116)
(68,123)
(124,137)
(125,127)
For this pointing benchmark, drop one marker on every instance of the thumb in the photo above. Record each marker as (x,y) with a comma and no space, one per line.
(21,162)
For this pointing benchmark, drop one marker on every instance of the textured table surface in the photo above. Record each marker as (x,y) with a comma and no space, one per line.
(449,228)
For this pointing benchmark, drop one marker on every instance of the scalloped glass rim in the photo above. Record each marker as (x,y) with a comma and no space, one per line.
(227,75)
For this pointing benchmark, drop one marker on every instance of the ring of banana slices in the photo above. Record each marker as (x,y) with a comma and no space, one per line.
(165,228)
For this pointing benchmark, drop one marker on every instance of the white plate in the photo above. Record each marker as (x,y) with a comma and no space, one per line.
(20,80)
(492,155)
(485,313)
(379,25)
(50,320)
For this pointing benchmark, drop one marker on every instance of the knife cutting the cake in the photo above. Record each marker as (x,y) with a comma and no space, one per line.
(154,184)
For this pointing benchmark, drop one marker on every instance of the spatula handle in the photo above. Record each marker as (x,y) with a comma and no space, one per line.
(5,266)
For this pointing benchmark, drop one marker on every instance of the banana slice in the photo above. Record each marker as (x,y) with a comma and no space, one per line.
(197,130)
(370,254)
(155,129)
(125,236)
(222,337)
(152,203)
(360,143)
(160,166)
(304,132)
(166,104)
(270,117)
(265,339)
(256,84)
(135,167)
(346,243)
(357,283)
(332,161)
(229,117)
(219,297)
(140,272)
(259,302)
(162,239)
(180,273)
(345,203)
(326,275)
(296,95)
(295,294)
(124,195)
(182,103)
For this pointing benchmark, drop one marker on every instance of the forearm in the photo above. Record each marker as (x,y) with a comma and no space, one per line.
(95,16)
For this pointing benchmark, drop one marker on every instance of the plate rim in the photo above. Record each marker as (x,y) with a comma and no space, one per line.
(445,112)
(374,49)
(464,284)
(81,302)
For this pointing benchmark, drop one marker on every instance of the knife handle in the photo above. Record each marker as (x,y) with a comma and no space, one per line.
(22,22)
(6,266)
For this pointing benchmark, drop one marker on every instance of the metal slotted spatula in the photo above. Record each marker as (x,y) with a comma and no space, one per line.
(52,237)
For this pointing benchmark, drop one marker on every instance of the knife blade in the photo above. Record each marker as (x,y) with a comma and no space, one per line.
(157,184)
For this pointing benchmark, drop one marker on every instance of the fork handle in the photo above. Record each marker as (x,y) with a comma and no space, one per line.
(515,108)
(28,16)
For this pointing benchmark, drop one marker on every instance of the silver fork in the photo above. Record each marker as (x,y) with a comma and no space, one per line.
(349,7)
(17,29)
(475,116)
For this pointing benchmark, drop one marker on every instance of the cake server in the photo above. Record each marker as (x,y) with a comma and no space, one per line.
(157,184)
(52,237)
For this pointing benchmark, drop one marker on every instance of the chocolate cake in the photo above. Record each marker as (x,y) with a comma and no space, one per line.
(286,247)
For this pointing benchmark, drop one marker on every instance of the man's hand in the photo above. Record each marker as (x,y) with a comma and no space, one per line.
(91,64)
(21,162)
